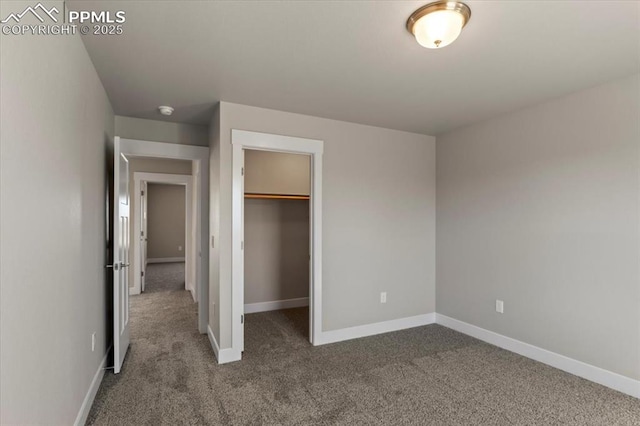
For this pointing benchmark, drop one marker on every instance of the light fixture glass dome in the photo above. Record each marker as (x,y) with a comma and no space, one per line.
(438,29)
(438,24)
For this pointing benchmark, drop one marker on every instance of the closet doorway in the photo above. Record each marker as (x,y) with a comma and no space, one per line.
(276,242)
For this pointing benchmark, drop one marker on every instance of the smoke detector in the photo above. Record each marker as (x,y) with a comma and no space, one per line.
(165,110)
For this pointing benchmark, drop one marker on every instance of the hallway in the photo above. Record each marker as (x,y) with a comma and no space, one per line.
(166,351)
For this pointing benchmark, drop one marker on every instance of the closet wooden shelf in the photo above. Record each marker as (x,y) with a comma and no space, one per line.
(276,196)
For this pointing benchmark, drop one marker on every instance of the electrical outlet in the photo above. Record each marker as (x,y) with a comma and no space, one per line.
(93,341)
(179,248)
(499,306)
(383,297)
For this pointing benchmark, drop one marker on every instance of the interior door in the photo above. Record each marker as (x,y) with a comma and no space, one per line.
(120,257)
(143,234)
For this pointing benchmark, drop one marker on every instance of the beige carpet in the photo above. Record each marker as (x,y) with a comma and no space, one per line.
(423,376)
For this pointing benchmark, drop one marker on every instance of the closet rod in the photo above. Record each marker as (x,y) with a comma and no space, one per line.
(276,196)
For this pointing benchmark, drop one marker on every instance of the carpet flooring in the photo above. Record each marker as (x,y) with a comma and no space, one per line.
(164,277)
(422,376)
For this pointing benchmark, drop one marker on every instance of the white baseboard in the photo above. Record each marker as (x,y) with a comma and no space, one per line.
(578,368)
(85,408)
(343,334)
(251,308)
(193,293)
(165,259)
(222,355)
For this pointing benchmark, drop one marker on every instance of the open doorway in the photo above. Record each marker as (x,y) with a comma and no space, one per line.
(129,253)
(312,150)
(164,227)
(276,247)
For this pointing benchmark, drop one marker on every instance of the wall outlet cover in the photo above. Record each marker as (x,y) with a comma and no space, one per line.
(499,306)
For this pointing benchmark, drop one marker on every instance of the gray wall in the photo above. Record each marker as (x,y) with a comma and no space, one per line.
(276,173)
(215,172)
(378,216)
(166,221)
(161,131)
(276,250)
(540,208)
(56,122)
(152,165)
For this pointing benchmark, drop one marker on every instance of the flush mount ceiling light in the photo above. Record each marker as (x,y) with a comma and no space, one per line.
(165,110)
(438,24)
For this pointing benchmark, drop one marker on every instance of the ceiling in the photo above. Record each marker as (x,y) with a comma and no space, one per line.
(354,60)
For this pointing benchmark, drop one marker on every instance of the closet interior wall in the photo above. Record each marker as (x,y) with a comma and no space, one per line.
(276,230)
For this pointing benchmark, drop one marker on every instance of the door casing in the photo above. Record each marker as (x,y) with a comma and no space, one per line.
(140,179)
(242,140)
(199,155)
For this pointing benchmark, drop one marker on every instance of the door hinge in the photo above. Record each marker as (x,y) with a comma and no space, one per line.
(142,273)
(241,245)
(241,319)
(141,192)
(242,171)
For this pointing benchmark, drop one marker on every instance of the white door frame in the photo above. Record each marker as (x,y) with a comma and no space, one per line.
(241,140)
(171,179)
(199,156)
(142,213)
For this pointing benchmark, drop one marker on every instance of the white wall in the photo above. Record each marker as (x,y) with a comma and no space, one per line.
(378,218)
(161,131)
(56,122)
(540,208)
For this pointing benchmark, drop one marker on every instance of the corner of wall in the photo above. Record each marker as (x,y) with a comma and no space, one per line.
(214,225)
